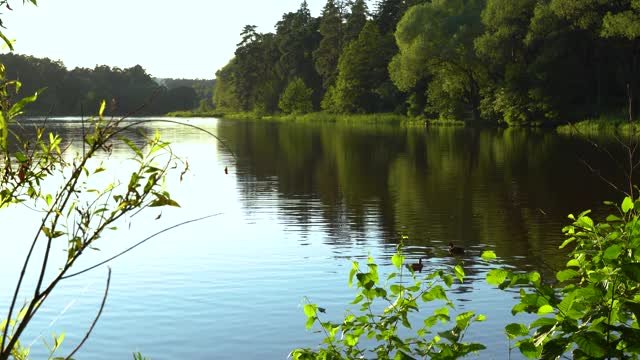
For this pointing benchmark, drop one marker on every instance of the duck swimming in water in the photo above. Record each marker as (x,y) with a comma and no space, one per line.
(455,250)
(417,267)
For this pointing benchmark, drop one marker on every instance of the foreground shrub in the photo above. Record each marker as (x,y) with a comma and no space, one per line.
(381,326)
(594,313)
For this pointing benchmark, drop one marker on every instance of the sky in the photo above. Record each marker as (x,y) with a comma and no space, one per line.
(170,39)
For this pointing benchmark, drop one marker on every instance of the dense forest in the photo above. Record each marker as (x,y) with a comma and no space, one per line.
(516,62)
(68,92)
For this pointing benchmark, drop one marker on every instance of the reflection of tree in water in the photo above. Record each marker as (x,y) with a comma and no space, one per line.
(505,190)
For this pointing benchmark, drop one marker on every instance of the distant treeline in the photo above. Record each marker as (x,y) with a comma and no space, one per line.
(68,92)
(497,61)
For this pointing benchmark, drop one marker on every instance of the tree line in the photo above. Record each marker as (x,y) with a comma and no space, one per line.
(515,62)
(70,92)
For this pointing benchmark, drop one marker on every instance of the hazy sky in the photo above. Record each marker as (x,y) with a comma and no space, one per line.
(179,39)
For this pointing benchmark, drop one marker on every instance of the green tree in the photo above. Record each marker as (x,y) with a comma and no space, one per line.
(436,39)
(502,45)
(297,37)
(617,21)
(296,98)
(356,20)
(327,54)
(225,97)
(388,13)
(362,73)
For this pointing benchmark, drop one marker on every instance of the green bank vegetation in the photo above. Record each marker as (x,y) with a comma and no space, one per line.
(499,62)
(71,92)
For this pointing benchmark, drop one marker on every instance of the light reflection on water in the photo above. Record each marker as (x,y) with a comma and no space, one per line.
(298,205)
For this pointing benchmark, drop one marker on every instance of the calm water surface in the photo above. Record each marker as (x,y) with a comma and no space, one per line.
(300,203)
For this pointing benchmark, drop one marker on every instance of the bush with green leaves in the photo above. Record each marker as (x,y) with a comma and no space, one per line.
(591,312)
(296,98)
(75,212)
(381,325)
(594,312)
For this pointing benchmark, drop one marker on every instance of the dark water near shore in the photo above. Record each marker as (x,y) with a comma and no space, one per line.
(300,202)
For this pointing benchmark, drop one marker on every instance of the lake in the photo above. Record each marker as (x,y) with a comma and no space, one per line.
(300,202)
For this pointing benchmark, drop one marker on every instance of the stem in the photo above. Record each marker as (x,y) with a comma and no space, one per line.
(68,187)
(93,324)
(613,292)
(136,245)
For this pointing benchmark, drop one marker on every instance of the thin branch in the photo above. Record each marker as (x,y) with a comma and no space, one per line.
(139,122)
(597,173)
(600,148)
(138,244)
(93,324)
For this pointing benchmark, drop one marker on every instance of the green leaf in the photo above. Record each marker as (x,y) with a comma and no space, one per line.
(131,145)
(6,40)
(528,349)
(613,218)
(612,252)
(397,260)
(462,320)
(396,289)
(459,271)
(310,310)
(514,330)
(573,263)
(567,242)
(452,335)
(358,298)
(309,323)
(365,280)
(57,341)
(442,311)
(16,109)
(592,343)
(627,204)
(20,157)
(497,276)
(543,322)
(545,309)
(353,272)
(634,307)
(436,293)
(565,275)
(488,255)
(103,104)
(554,348)
(632,271)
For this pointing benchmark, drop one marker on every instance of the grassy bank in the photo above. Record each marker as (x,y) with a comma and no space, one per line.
(190,113)
(604,125)
(382,118)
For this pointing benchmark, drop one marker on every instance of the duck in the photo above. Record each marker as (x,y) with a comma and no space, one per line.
(455,250)
(417,267)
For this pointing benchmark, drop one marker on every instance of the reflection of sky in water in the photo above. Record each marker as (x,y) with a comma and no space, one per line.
(293,217)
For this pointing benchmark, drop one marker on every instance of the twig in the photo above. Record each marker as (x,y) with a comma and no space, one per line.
(138,244)
(139,122)
(93,324)
(600,148)
(597,173)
